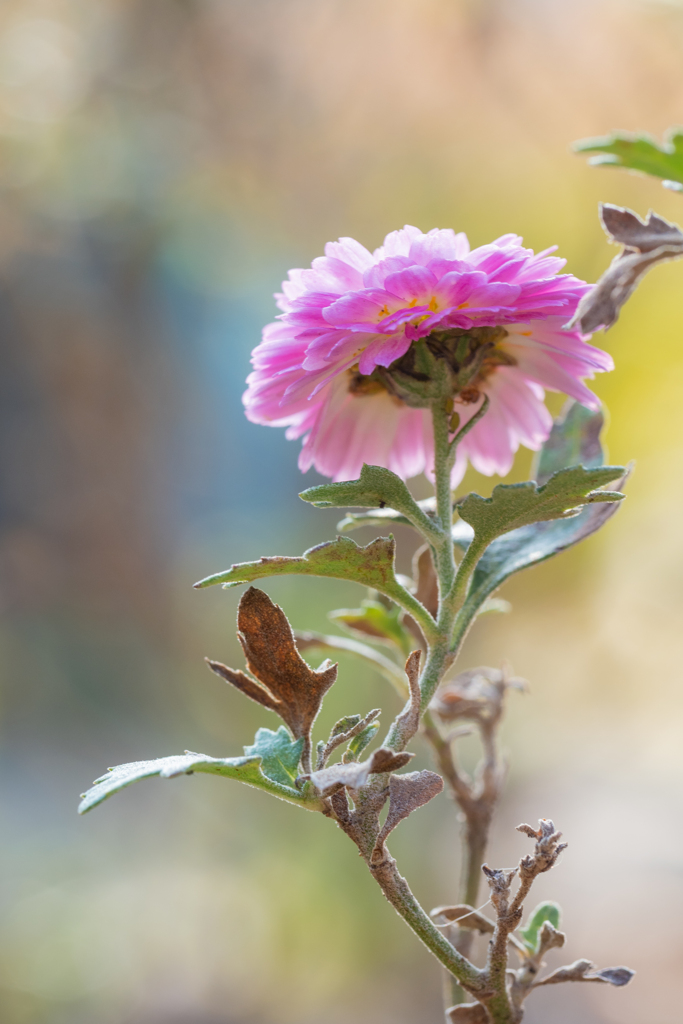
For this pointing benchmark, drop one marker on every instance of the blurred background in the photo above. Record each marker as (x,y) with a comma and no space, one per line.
(163,163)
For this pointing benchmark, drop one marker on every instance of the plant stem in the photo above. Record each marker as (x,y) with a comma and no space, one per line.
(398,893)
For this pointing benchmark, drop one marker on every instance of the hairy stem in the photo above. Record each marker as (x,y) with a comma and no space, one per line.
(398,893)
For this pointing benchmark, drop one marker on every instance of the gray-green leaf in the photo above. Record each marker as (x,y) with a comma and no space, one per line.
(244,769)
(573,441)
(512,506)
(376,486)
(280,755)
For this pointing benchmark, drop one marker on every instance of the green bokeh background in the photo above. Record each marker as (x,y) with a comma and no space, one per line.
(164,162)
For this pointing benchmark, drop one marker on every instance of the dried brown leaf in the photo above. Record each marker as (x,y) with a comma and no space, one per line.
(408,722)
(584,970)
(646,243)
(467,1013)
(426,580)
(406,794)
(286,684)
(626,228)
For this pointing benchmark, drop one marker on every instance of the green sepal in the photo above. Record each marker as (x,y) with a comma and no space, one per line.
(376,486)
(280,755)
(243,769)
(530,934)
(512,506)
(376,622)
(361,741)
(639,152)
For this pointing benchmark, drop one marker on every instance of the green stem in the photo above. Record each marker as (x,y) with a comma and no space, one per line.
(398,893)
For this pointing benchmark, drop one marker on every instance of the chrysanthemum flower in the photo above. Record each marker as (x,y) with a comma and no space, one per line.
(341,367)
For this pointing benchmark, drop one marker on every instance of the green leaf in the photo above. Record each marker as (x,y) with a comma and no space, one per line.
(375,621)
(574,440)
(361,741)
(639,152)
(280,755)
(533,544)
(512,506)
(376,486)
(547,911)
(372,566)
(244,769)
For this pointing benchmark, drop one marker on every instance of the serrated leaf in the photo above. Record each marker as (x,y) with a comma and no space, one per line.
(573,441)
(372,566)
(243,769)
(547,911)
(280,755)
(638,152)
(512,506)
(281,680)
(529,546)
(376,486)
(376,622)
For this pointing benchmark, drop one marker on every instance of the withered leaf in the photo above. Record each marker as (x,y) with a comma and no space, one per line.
(646,243)
(425,577)
(615,975)
(408,722)
(406,794)
(584,970)
(467,1013)
(286,684)
(465,917)
(355,774)
(626,228)
(474,693)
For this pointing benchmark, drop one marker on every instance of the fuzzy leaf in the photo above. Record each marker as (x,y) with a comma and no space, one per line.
(354,774)
(280,756)
(573,441)
(361,741)
(547,911)
(284,683)
(406,794)
(531,545)
(371,566)
(638,152)
(376,486)
(244,769)
(512,506)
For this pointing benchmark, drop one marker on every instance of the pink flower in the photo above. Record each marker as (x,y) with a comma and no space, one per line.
(333,368)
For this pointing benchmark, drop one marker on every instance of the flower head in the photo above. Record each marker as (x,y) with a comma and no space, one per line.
(345,365)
